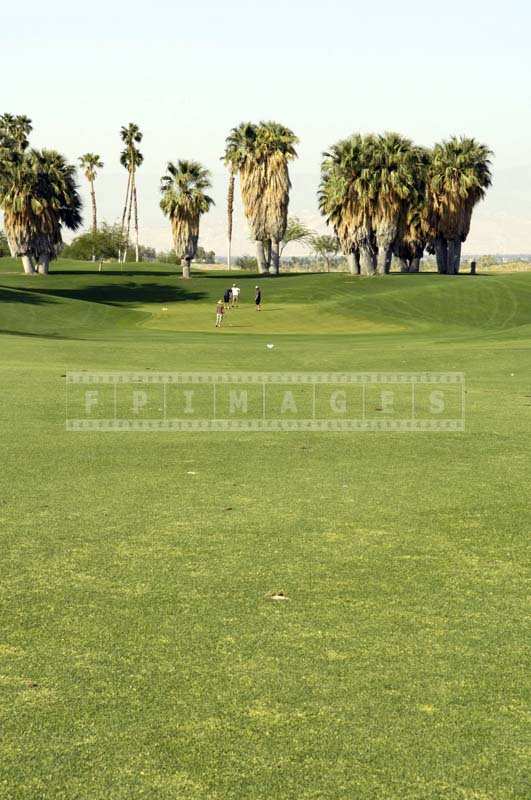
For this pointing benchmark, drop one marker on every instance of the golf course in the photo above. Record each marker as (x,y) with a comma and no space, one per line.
(141,655)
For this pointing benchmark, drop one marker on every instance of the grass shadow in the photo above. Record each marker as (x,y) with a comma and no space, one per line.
(120,293)
(116,273)
(58,336)
(22,296)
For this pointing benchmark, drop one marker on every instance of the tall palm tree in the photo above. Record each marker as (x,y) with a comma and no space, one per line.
(230,215)
(90,163)
(458,178)
(39,197)
(276,148)
(238,147)
(240,158)
(184,201)
(260,154)
(130,158)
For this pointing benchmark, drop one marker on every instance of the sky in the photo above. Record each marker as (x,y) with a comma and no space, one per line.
(186,73)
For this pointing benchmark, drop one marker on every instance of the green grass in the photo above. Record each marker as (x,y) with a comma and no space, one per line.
(138,656)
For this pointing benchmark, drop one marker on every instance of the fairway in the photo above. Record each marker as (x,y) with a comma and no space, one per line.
(139,654)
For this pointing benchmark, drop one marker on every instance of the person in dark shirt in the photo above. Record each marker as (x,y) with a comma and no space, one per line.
(227,297)
(257,298)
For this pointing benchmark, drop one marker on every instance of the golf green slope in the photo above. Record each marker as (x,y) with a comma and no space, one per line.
(139,654)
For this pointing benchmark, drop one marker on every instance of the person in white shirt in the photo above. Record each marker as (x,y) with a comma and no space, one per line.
(235,295)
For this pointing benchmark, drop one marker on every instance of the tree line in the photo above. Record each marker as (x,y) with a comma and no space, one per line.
(381,195)
(385,197)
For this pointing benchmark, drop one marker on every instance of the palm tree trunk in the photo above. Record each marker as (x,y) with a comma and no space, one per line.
(454,256)
(129,211)
(404,266)
(27,264)
(415,264)
(43,264)
(94,219)
(384,240)
(136,225)
(381,261)
(230,214)
(185,262)
(386,234)
(260,257)
(367,265)
(441,253)
(267,253)
(275,257)
(124,214)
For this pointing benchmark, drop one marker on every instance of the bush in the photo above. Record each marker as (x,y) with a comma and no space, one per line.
(167,257)
(247,263)
(106,243)
(205,256)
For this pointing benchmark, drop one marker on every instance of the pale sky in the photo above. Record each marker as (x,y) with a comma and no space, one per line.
(188,72)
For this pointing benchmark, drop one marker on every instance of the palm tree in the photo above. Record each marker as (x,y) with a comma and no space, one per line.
(347,198)
(14,140)
(415,234)
(260,155)
(240,158)
(325,247)
(296,231)
(61,204)
(39,197)
(19,190)
(230,214)
(130,158)
(184,201)
(90,163)
(14,132)
(395,168)
(458,178)
(133,160)
(275,148)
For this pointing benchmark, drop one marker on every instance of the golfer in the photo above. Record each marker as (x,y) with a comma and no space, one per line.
(257,298)
(220,311)
(235,295)
(227,297)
